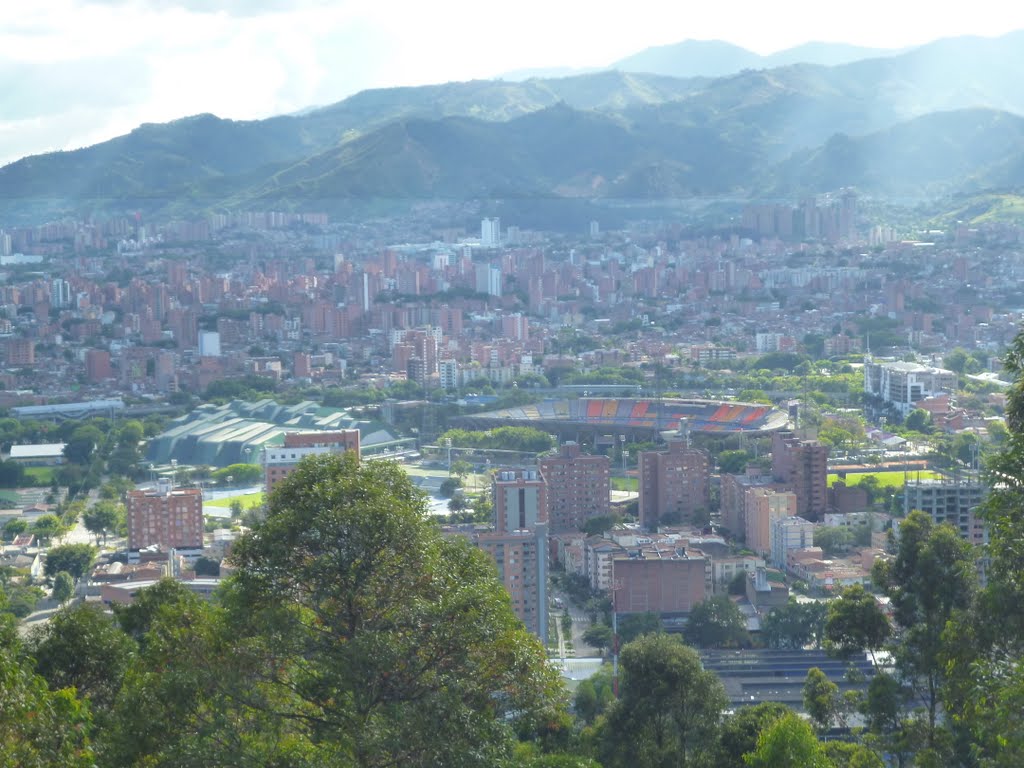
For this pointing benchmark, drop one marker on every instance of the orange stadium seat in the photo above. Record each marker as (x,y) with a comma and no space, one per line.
(594,408)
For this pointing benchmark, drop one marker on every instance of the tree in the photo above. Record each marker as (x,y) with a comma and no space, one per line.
(82,648)
(821,698)
(205,566)
(716,623)
(634,625)
(787,743)
(103,519)
(931,579)
(669,710)
(239,474)
(919,420)
(14,528)
(598,636)
(83,441)
(794,625)
(73,558)
(855,623)
(47,527)
(63,587)
(599,524)
(733,462)
(404,641)
(833,540)
(741,730)
(39,728)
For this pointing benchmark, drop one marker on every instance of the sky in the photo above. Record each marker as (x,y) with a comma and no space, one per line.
(76,72)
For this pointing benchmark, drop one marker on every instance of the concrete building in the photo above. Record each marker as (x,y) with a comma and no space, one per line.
(522,560)
(902,385)
(520,499)
(676,482)
(281,461)
(97,365)
(802,465)
(949,501)
(763,507)
(519,543)
(788,533)
(733,501)
(578,487)
(209,344)
(659,581)
(168,518)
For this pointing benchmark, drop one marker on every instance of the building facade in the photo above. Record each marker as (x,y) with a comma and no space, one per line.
(902,385)
(578,488)
(675,482)
(168,518)
(949,501)
(522,560)
(763,507)
(802,465)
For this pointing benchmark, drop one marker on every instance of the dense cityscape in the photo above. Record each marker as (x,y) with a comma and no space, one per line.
(657,464)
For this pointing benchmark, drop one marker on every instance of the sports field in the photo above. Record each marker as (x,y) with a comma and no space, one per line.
(248,500)
(887,479)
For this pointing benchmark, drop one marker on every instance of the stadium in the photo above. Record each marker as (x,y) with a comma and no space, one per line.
(636,418)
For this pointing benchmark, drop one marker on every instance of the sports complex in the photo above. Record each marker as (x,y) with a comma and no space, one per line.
(635,418)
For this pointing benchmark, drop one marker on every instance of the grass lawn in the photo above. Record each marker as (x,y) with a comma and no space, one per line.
(248,500)
(39,475)
(625,484)
(887,479)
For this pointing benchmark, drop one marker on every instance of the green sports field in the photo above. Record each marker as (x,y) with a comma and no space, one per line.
(887,479)
(248,500)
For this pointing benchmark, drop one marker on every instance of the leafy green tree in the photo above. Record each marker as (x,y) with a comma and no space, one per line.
(794,625)
(716,623)
(787,743)
(14,528)
(104,518)
(734,462)
(46,528)
(931,580)
(83,441)
(599,524)
(844,754)
(741,730)
(404,641)
(594,695)
(82,648)
(39,728)
(821,698)
(919,420)
(855,623)
(598,636)
(633,625)
(833,540)
(240,474)
(669,711)
(12,474)
(63,587)
(76,559)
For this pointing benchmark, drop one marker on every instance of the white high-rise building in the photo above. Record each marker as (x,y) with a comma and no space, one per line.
(209,344)
(490,232)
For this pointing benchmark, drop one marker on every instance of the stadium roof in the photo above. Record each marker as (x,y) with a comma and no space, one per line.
(636,415)
(219,436)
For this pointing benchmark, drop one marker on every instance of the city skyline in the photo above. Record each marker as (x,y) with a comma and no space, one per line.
(78,72)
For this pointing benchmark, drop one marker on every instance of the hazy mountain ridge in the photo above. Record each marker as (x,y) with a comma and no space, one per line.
(901,124)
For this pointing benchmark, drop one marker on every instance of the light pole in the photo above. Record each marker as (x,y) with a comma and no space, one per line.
(622,450)
(448,444)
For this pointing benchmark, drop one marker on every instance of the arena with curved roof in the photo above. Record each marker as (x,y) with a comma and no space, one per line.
(634,417)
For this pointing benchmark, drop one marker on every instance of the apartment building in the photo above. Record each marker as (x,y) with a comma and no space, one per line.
(675,482)
(165,517)
(578,487)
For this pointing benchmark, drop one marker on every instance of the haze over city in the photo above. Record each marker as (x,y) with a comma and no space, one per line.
(81,71)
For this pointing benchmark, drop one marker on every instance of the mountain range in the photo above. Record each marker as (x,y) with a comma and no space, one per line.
(941,119)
